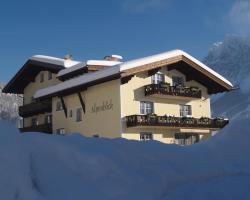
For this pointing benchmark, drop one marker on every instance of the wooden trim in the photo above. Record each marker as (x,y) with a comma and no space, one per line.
(82,102)
(153,71)
(205,72)
(151,66)
(126,79)
(64,106)
(27,74)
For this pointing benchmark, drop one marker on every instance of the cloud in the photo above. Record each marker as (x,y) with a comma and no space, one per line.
(142,6)
(239,16)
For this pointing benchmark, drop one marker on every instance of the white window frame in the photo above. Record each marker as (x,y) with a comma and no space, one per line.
(185,110)
(146,107)
(158,78)
(186,138)
(145,136)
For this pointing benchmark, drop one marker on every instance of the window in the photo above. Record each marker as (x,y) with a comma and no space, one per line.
(34,122)
(48,119)
(49,75)
(146,136)
(41,77)
(158,78)
(146,107)
(79,114)
(70,113)
(185,110)
(60,131)
(59,106)
(186,138)
(177,80)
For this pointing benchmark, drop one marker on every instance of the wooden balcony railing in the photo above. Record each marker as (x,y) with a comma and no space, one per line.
(35,108)
(44,128)
(179,122)
(164,89)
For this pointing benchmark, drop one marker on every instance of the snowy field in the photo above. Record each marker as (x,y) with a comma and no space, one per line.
(39,166)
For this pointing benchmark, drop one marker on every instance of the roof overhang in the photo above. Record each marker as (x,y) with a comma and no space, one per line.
(189,66)
(27,74)
(177,59)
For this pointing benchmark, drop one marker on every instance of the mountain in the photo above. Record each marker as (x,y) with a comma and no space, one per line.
(231,58)
(9,106)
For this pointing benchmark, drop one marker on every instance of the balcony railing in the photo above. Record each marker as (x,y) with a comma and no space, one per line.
(35,108)
(44,128)
(179,122)
(165,89)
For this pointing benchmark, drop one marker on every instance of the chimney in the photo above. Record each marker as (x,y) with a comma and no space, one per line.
(113,58)
(68,57)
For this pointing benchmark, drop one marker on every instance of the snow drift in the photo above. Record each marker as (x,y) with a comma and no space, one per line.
(39,166)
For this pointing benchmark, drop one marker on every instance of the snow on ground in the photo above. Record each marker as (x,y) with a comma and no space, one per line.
(39,166)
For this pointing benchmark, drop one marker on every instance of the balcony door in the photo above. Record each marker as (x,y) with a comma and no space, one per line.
(158,78)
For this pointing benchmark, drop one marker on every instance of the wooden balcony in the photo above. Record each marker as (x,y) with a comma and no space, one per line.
(175,122)
(44,128)
(35,108)
(174,91)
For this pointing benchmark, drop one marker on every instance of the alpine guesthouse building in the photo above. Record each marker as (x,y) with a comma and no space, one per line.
(165,97)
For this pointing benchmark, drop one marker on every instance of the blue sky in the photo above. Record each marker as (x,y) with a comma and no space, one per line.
(91,29)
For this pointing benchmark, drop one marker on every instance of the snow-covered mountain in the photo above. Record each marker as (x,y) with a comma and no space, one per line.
(9,105)
(231,58)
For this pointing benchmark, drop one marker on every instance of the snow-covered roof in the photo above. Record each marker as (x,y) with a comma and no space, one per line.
(71,69)
(122,67)
(166,55)
(87,63)
(89,77)
(53,60)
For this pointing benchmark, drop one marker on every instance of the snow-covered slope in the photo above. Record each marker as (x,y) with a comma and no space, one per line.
(9,106)
(231,58)
(48,167)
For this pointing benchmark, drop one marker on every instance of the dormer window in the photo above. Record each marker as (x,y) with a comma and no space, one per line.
(41,77)
(158,78)
(178,81)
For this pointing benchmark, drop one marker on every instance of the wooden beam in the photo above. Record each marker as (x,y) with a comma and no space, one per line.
(64,106)
(189,78)
(126,79)
(81,101)
(153,71)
